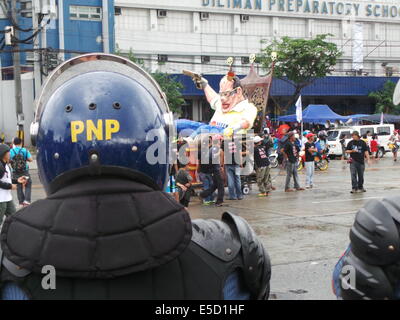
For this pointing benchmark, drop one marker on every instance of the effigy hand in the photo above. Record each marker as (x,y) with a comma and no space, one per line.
(198,80)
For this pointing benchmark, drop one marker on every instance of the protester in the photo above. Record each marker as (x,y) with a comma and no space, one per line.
(262,167)
(233,161)
(365,138)
(310,151)
(218,182)
(291,155)
(394,141)
(281,146)
(269,145)
(184,184)
(171,185)
(19,161)
(322,144)
(374,146)
(268,141)
(358,151)
(7,183)
(343,145)
(276,142)
(205,168)
(304,137)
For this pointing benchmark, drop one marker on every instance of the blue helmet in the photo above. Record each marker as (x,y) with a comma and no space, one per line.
(101,114)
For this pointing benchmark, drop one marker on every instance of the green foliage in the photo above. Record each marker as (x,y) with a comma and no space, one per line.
(172,89)
(384,99)
(301,61)
(168,84)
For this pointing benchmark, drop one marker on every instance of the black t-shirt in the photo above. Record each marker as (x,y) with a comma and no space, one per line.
(261,156)
(232,151)
(361,147)
(173,171)
(215,160)
(292,151)
(282,143)
(309,155)
(268,144)
(205,161)
(183,177)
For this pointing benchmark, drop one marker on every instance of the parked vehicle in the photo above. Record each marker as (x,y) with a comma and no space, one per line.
(383,131)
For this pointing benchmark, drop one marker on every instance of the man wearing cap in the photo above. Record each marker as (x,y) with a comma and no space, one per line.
(358,151)
(262,167)
(291,155)
(310,150)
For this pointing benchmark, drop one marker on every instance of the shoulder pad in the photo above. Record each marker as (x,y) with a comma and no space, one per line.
(217,238)
(11,267)
(367,281)
(375,233)
(257,265)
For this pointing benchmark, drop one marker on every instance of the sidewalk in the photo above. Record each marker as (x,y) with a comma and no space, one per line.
(33,165)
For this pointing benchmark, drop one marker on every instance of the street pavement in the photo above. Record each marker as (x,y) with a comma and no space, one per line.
(304,232)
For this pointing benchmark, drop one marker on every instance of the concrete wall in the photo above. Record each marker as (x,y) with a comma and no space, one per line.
(8,118)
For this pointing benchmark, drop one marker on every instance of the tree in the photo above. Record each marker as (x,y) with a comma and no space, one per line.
(171,87)
(300,61)
(384,99)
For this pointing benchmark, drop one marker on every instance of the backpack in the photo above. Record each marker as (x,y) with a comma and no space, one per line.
(18,163)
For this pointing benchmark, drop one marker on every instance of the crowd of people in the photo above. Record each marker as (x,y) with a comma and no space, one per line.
(14,175)
(220,161)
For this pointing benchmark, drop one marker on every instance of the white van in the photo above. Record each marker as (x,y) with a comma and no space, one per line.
(383,131)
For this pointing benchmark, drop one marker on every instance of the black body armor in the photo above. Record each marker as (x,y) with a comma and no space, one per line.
(374,253)
(113,238)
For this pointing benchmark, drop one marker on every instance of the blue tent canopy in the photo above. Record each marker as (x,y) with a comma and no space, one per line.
(315,113)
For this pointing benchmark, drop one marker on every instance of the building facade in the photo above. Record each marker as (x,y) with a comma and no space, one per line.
(73,26)
(68,28)
(172,35)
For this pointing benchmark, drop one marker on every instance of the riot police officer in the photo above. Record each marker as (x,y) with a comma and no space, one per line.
(106,228)
(370,267)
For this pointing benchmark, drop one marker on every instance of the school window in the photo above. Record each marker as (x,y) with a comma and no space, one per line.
(85,13)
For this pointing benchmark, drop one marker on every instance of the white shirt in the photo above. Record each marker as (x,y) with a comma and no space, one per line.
(5,195)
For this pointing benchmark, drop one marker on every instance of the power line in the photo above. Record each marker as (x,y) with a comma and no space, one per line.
(223,67)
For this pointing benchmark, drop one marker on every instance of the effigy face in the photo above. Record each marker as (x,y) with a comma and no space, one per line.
(229,97)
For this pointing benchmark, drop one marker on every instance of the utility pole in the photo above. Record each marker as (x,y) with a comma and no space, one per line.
(17,75)
(36,64)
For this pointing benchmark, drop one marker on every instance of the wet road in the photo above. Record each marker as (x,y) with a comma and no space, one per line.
(304,232)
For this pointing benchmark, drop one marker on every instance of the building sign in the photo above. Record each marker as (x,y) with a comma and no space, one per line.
(309,7)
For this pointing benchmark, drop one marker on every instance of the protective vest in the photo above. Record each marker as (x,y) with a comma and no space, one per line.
(113,238)
(370,268)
